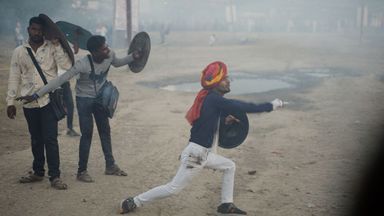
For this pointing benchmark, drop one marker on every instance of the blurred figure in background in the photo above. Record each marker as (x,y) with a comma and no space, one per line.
(19,38)
(212,39)
(68,104)
(164,30)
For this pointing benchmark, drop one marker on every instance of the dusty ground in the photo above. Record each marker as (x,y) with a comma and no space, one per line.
(308,157)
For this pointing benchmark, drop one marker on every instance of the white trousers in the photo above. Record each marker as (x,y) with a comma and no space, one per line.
(185,174)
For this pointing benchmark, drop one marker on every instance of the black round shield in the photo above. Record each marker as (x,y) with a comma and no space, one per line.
(52,31)
(74,33)
(232,135)
(141,43)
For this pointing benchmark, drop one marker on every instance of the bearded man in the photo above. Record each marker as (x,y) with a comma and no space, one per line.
(42,123)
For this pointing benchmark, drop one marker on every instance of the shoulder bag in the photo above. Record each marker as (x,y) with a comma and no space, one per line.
(108,95)
(56,96)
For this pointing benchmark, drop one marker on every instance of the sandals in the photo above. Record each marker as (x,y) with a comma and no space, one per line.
(58,184)
(55,183)
(115,170)
(31,177)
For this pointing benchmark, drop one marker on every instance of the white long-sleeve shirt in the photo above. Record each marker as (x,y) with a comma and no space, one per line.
(24,76)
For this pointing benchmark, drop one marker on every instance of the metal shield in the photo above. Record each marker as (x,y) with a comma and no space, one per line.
(74,33)
(232,135)
(142,43)
(52,31)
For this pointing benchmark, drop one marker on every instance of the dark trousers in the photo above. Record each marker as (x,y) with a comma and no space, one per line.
(42,126)
(68,103)
(88,109)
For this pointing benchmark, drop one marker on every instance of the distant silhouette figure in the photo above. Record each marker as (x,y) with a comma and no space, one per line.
(164,30)
(19,38)
(212,39)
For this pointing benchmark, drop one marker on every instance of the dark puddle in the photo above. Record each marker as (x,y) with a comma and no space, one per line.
(264,84)
(239,86)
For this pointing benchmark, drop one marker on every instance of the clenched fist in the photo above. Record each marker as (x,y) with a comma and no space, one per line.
(277,103)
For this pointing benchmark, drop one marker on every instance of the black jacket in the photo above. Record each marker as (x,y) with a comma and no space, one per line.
(214,105)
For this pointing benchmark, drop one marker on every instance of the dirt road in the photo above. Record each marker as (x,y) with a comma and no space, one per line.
(308,157)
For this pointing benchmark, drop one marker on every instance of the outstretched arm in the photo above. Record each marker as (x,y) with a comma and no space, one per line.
(231,105)
(53,84)
(58,81)
(118,62)
(252,107)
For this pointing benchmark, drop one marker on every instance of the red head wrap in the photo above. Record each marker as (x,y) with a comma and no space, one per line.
(211,76)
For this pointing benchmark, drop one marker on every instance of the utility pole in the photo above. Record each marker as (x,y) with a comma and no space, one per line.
(132,17)
(121,24)
(129,20)
(363,19)
(231,15)
(361,23)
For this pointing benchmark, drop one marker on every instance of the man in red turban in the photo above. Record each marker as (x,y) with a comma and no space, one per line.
(211,77)
(204,116)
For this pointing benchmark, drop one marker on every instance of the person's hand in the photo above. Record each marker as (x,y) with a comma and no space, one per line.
(55,41)
(11,111)
(277,103)
(136,54)
(230,119)
(28,98)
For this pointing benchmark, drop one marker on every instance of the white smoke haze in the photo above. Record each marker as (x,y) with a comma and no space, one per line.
(339,41)
(295,16)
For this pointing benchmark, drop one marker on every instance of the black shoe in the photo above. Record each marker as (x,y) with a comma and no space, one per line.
(229,209)
(84,177)
(72,133)
(58,184)
(114,170)
(127,205)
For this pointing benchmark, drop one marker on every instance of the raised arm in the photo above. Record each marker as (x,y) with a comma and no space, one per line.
(118,62)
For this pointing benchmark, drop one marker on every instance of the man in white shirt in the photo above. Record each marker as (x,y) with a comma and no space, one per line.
(42,123)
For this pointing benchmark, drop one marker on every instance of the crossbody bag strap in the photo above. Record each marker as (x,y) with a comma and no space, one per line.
(92,72)
(37,65)
(106,72)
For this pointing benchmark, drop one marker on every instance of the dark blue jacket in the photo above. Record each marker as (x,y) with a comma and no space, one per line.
(214,105)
